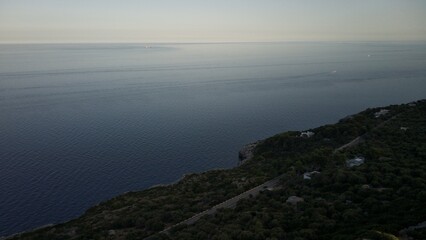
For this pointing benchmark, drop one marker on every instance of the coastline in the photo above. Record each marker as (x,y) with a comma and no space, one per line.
(31,230)
(245,154)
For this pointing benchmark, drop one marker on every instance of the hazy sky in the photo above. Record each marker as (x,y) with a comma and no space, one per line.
(211,21)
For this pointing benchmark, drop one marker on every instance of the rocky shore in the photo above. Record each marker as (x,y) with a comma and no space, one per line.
(247,152)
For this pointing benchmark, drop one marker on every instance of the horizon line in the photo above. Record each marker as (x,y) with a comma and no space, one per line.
(208,42)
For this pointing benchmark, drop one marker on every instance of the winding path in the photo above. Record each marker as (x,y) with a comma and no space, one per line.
(352,143)
(361,138)
(230,203)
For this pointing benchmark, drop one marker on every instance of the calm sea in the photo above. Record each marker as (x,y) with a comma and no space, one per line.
(82,123)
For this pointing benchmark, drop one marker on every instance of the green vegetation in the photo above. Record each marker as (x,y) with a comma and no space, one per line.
(372,201)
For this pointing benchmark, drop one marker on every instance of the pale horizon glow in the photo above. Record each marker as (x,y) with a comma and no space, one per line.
(79,21)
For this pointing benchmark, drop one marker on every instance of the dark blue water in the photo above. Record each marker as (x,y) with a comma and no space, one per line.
(82,123)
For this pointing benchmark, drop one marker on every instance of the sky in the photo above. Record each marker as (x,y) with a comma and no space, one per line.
(211,21)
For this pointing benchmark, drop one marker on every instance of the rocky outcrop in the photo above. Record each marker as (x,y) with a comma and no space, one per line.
(247,152)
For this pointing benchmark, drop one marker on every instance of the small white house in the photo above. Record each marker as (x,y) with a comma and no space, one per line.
(307,134)
(404,128)
(308,175)
(357,161)
(380,113)
(294,200)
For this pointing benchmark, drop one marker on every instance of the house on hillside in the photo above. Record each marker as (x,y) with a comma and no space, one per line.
(354,162)
(294,200)
(307,134)
(308,175)
(380,113)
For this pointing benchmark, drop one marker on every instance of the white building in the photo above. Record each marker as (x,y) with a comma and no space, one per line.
(308,175)
(294,200)
(307,134)
(357,161)
(380,113)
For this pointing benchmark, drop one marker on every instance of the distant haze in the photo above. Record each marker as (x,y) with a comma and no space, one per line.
(211,21)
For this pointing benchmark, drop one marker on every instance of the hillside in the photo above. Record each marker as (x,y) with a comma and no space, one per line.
(383,195)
